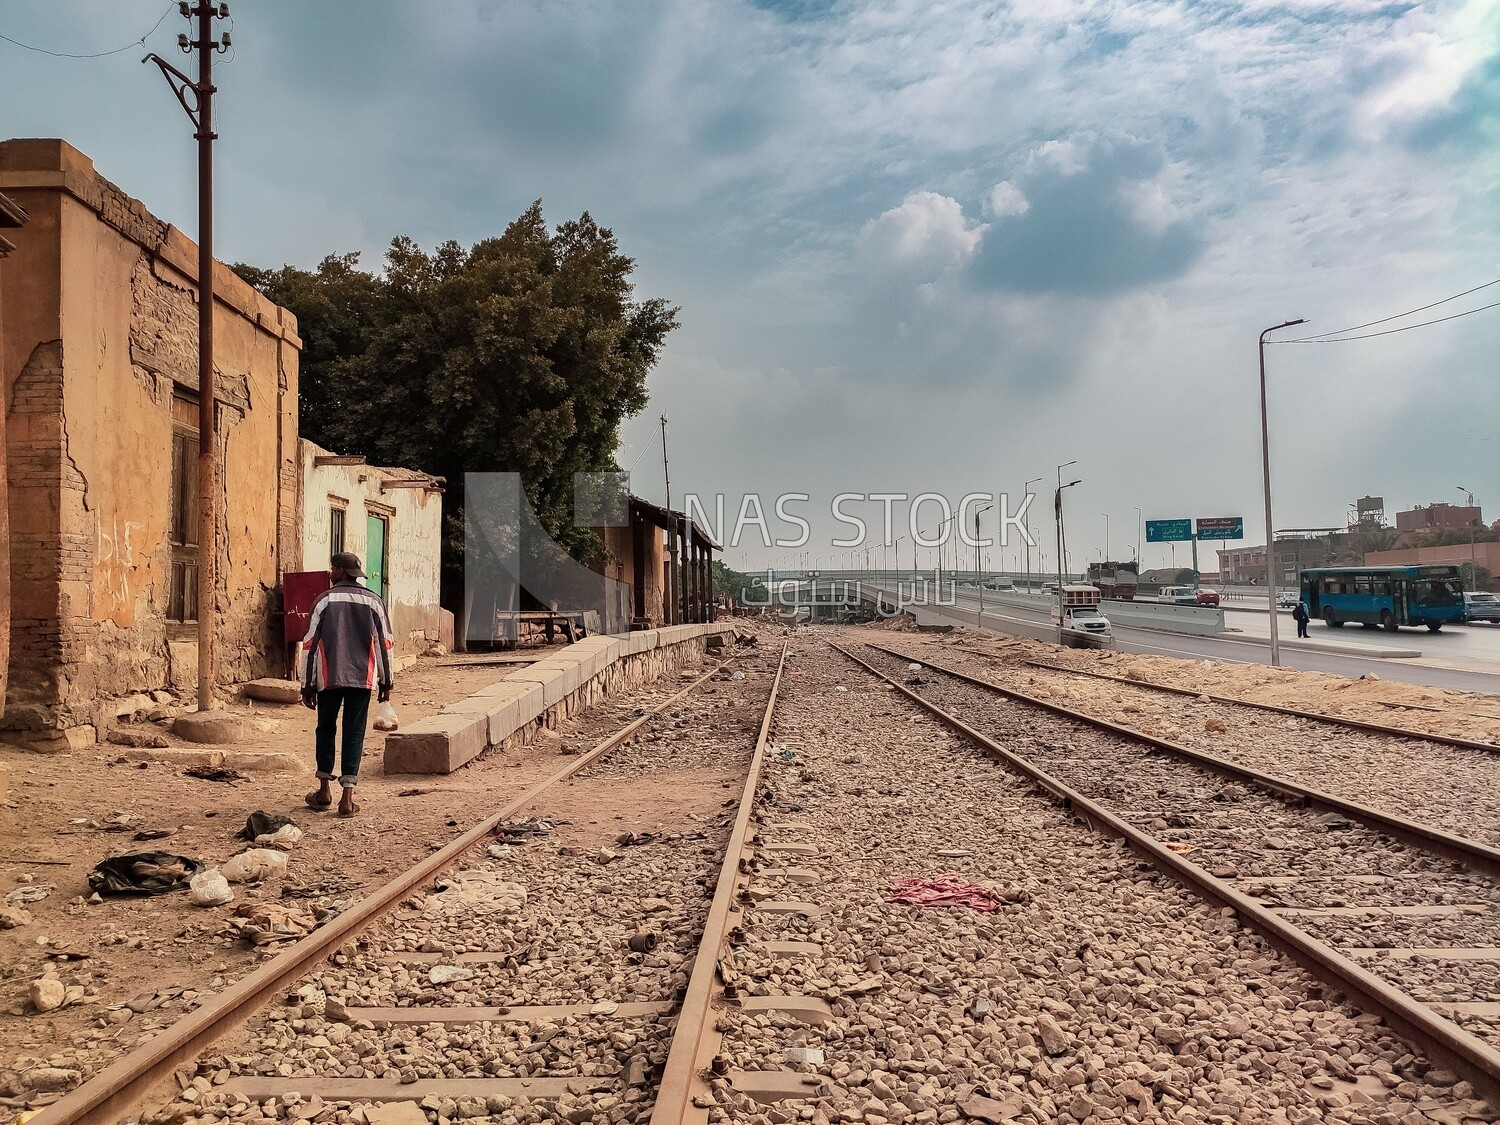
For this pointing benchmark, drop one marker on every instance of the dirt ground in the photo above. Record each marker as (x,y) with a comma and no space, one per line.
(1410,706)
(163,953)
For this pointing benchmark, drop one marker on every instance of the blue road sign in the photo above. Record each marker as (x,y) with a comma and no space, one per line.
(1169,531)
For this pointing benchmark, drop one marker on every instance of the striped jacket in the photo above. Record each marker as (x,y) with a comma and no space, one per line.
(349,641)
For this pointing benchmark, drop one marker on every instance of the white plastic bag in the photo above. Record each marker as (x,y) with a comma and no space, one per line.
(284,837)
(254,865)
(385,717)
(209,888)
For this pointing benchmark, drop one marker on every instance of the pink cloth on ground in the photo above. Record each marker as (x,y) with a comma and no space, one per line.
(944,890)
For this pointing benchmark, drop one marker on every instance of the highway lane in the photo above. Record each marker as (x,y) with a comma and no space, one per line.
(1225,647)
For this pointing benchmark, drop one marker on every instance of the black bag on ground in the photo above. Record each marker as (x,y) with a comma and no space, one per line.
(261,823)
(143,873)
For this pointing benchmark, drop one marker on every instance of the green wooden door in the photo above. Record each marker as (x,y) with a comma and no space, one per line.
(376,577)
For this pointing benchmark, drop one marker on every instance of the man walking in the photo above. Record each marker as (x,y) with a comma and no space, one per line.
(1300,616)
(348,654)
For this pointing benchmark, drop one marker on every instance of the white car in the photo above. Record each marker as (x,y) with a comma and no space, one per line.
(1287,599)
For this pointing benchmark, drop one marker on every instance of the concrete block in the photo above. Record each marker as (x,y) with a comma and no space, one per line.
(176,757)
(436,744)
(558,677)
(213,727)
(643,640)
(273,691)
(526,697)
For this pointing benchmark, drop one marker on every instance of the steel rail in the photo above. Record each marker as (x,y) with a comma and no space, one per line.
(1316,716)
(695,1039)
(126,1083)
(1470,853)
(1444,1040)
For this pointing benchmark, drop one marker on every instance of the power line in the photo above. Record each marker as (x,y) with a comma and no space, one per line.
(1387,319)
(131,46)
(1388,331)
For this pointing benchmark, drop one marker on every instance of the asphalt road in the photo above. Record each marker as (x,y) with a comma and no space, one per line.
(1465,652)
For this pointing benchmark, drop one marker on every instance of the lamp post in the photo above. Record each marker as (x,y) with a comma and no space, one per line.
(979,570)
(1107,555)
(1062,552)
(1057,507)
(1473,559)
(1137,541)
(1025,491)
(1265,465)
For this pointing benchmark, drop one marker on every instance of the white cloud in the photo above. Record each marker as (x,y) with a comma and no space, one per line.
(1005,199)
(926,230)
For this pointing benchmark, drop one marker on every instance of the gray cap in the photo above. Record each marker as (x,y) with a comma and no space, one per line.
(348,562)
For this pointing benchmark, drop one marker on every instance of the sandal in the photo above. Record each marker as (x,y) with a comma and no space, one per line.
(317,802)
(350,811)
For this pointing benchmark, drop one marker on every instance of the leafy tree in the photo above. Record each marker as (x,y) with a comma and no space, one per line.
(522,353)
(735,583)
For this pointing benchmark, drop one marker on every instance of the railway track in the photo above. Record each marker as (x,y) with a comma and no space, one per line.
(1411,774)
(539,960)
(782,984)
(1384,729)
(1357,896)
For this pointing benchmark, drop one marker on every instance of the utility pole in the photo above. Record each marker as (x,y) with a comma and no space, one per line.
(197,100)
(1025,492)
(1265,463)
(1473,557)
(671,525)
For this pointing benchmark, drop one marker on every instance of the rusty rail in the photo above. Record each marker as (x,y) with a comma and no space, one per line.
(695,1039)
(1315,716)
(1444,1040)
(1470,853)
(127,1083)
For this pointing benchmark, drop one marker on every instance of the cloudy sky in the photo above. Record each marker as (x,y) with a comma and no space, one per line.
(918,246)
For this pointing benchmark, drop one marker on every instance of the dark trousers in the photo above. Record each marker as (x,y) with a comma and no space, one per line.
(1302,628)
(356,705)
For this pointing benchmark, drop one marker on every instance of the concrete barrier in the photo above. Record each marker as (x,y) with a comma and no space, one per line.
(1198,620)
(510,711)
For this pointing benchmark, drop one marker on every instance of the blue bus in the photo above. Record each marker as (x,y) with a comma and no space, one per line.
(1388,596)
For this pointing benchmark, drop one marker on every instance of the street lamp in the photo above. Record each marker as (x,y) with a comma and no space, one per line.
(1106,557)
(1473,561)
(1137,541)
(1062,559)
(979,570)
(1057,508)
(1265,465)
(1026,491)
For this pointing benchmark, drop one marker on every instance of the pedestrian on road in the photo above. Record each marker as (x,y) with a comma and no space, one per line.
(1300,616)
(348,653)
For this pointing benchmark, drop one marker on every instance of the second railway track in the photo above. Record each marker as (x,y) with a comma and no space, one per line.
(1427,928)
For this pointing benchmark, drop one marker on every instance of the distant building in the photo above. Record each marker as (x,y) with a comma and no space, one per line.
(1439,517)
(1243,566)
(1486,555)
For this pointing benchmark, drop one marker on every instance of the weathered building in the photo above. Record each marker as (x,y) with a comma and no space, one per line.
(637,555)
(12,217)
(392,519)
(99,364)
